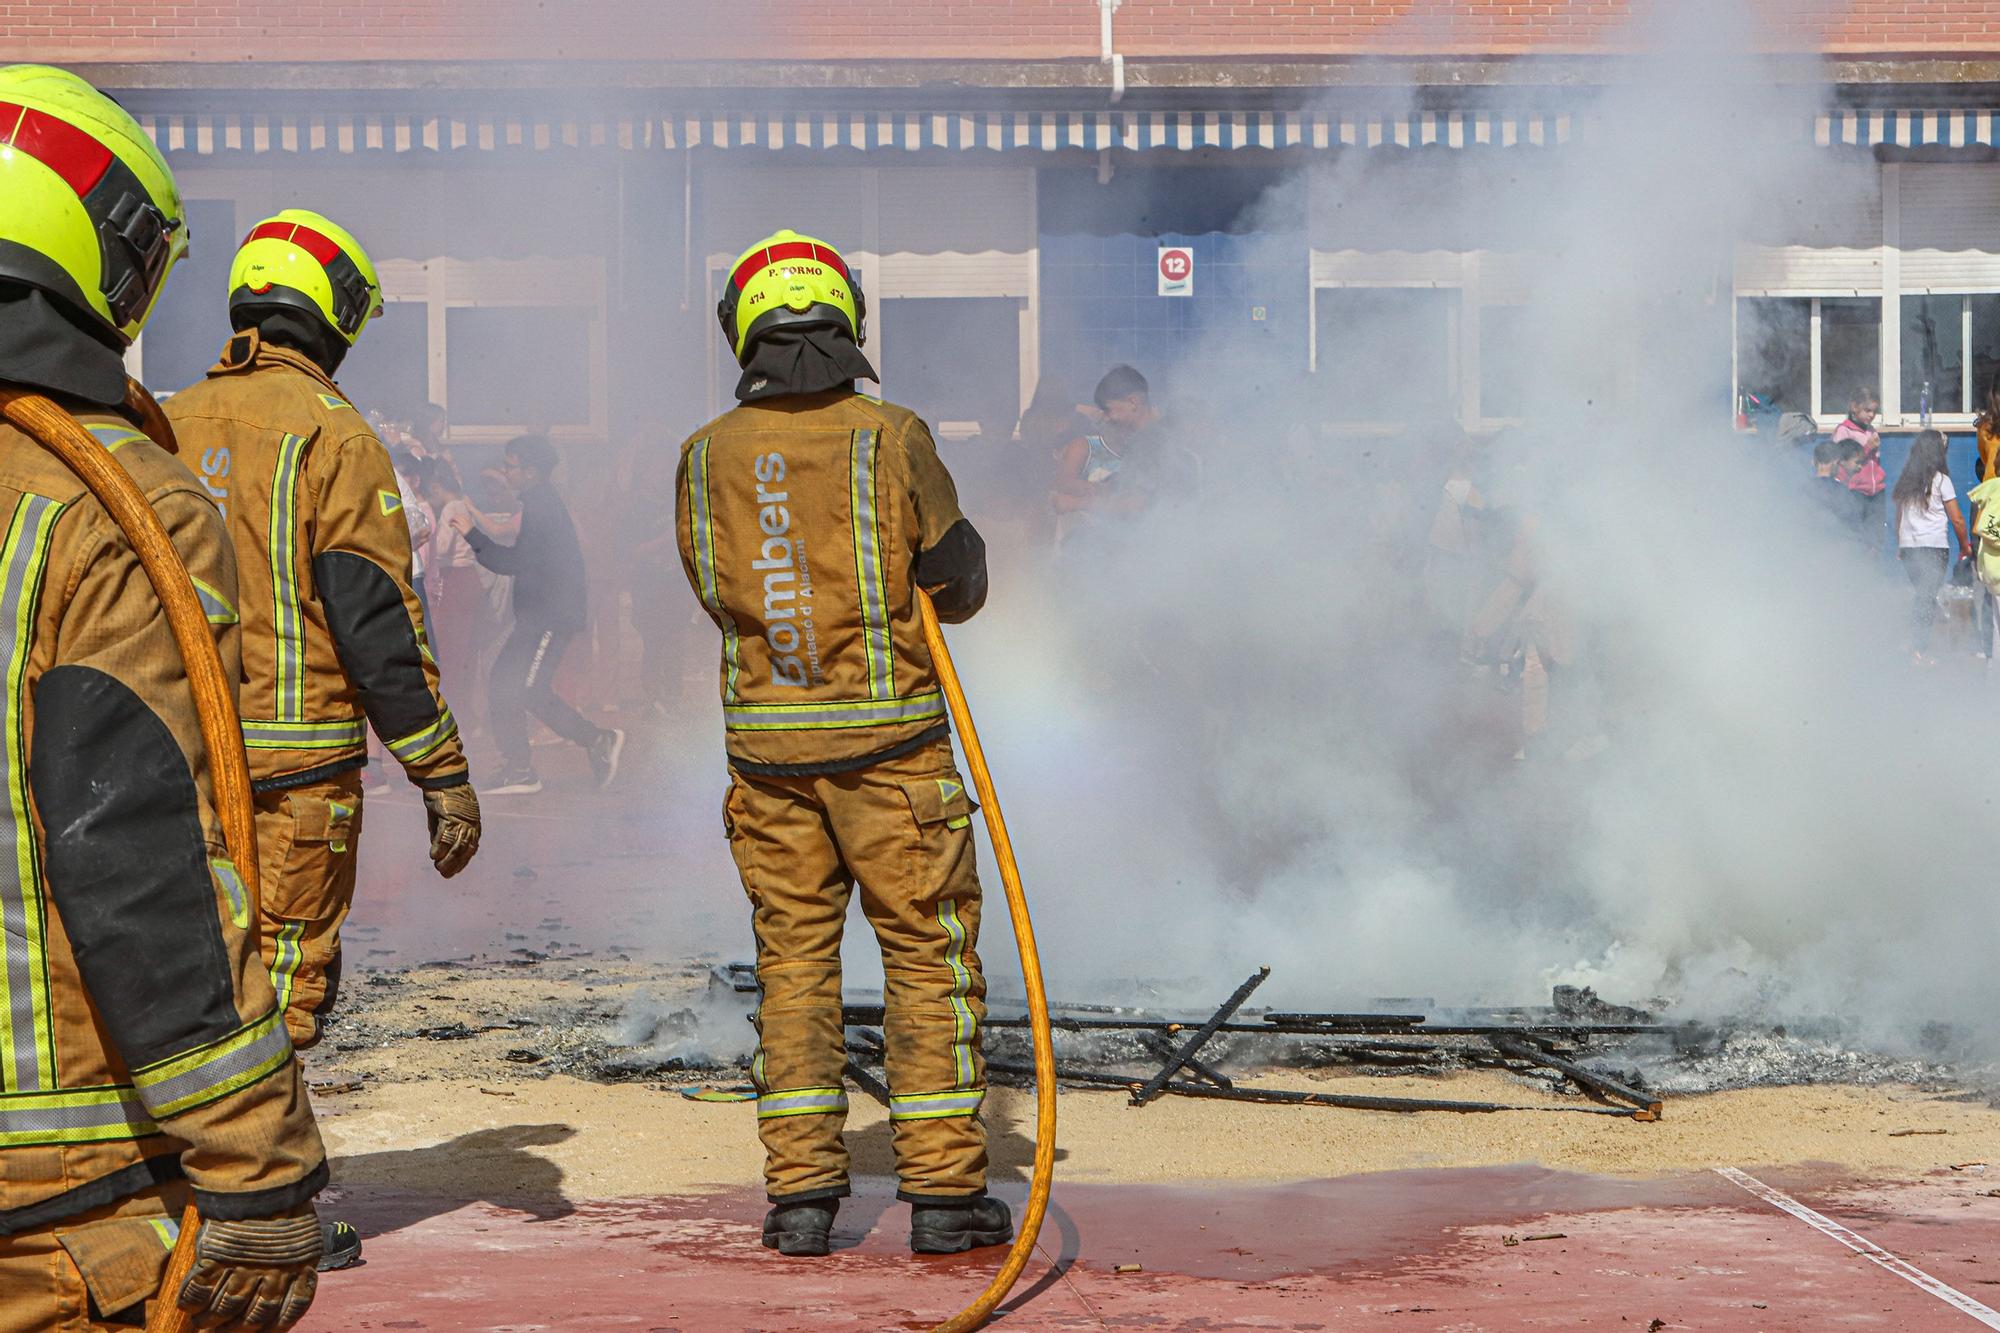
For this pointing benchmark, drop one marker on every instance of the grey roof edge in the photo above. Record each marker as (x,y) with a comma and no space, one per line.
(1260,81)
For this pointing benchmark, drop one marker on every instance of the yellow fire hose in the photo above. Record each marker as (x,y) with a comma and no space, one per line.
(1003,1282)
(215,703)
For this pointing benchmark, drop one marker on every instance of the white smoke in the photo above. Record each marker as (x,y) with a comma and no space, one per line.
(1227,736)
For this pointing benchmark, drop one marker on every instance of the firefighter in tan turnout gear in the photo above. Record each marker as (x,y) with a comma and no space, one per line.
(807,518)
(143,1054)
(333,635)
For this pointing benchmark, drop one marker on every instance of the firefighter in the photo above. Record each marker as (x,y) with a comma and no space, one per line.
(807,518)
(333,636)
(143,1055)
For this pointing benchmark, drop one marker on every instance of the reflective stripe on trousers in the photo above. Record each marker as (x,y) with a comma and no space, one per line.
(285,965)
(936,1105)
(801,1101)
(965,1026)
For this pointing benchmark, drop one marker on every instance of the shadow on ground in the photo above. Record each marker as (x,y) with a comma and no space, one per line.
(383,1192)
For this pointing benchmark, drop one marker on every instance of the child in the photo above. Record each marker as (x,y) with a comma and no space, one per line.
(1988,426)
(1987,563)
(460,605)
(1832,460)
(1925,503)
(1868,477)
(551,608)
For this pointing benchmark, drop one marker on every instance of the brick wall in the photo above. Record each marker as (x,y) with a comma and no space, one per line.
(788,30)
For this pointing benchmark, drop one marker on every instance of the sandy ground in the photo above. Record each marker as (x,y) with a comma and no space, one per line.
(515,1128)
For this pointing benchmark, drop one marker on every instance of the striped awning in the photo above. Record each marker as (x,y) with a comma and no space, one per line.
(1133,131)
(1929,127)
(208,133)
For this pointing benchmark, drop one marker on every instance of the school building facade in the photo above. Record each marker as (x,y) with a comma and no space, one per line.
(555,192)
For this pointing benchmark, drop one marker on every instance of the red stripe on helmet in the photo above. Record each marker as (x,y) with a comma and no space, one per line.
(772,254)
(323,248)
(71,153)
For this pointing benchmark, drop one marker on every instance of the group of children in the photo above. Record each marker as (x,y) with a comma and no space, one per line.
(1923,506)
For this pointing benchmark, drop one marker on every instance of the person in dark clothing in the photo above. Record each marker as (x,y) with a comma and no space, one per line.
(550,601)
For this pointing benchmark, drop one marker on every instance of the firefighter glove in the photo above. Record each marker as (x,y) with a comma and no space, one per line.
(254,1274)
(454,813)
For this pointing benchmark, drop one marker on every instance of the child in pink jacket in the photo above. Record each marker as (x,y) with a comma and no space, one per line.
(1866,477)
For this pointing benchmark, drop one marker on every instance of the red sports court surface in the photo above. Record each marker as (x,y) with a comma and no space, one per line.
(1401,1251)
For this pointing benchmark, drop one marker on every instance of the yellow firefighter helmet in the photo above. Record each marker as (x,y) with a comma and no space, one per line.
(789,281)
(89,212)
(307,261)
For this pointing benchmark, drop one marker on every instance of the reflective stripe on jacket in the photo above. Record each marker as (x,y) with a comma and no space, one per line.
(332,629)
(802,522)
(139,1036)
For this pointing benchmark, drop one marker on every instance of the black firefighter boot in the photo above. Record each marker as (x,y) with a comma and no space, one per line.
(963,1224)
(801,1228)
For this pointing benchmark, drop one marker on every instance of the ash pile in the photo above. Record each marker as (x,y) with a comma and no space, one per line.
(1597,1057)
(605,1018)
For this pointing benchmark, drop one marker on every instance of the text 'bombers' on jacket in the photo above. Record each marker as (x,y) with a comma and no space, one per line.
(332,631)
(140,1041)
(806,523)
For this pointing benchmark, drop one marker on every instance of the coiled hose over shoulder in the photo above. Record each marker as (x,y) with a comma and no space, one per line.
(215,702)
(1003,1282)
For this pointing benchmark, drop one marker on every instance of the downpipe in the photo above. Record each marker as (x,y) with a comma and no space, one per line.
(1107,53)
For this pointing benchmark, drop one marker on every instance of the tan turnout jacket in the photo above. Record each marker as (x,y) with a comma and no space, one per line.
(803,522)
(332,630)
(139,1036)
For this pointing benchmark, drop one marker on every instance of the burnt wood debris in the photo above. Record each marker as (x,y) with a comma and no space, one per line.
(1183,1058)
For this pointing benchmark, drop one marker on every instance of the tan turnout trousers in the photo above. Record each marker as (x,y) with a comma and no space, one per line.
(308,845)
(902,830)
(97,1270)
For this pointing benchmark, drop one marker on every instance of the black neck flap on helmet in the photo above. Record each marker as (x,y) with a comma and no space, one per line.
(45,344)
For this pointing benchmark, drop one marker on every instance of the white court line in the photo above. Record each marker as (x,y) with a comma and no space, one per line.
(1864,1247)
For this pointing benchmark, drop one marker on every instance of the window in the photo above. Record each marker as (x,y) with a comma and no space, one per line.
(389,369)
(503,345)
(1386,354)
(518,365)
(1809,354)
(1937,330)
(1850,349)
(1774,352)
(1933,354)
(191,322)
(925,346)
(1508,356)
(1985,311)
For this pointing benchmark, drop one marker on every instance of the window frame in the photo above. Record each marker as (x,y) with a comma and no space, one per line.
(1897,414)
(441,285)
(1958,420)
(1457,336)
